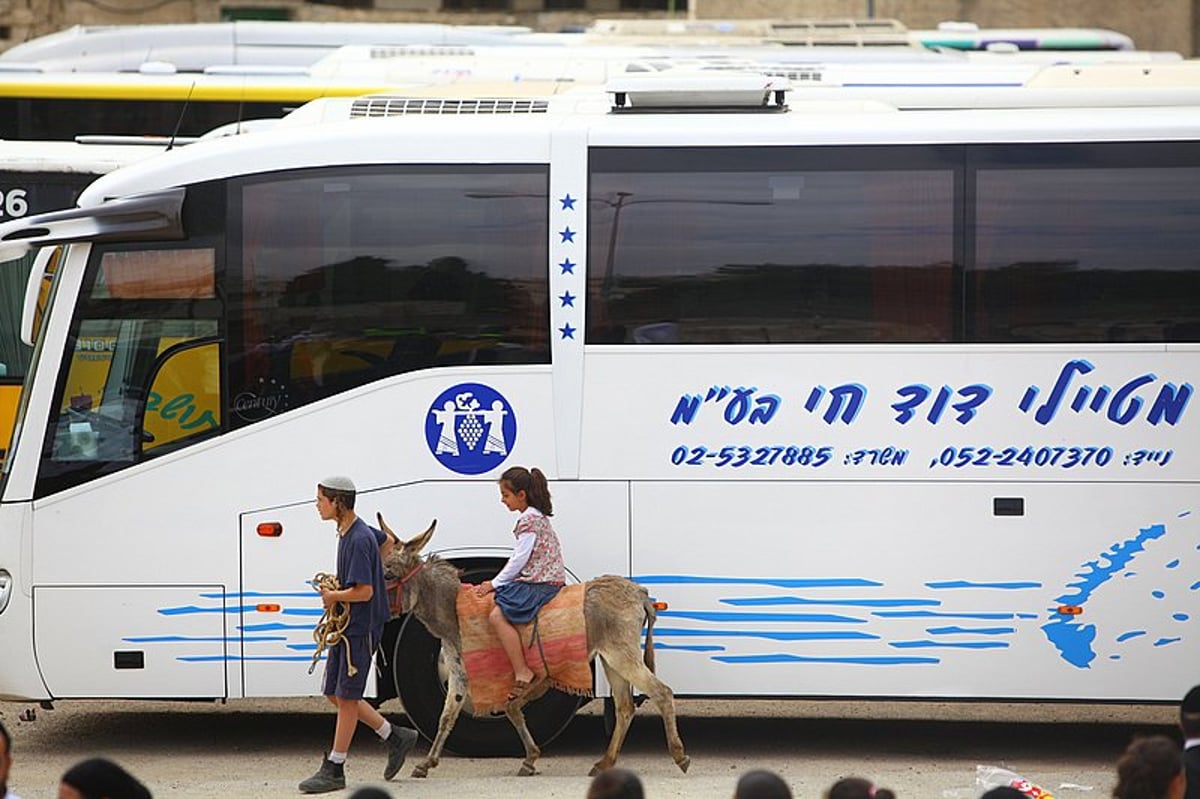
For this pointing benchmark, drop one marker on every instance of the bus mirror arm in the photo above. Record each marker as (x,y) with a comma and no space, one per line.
(155,215)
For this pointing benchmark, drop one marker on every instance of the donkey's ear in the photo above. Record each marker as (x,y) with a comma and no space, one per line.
(418,543)
(384,526)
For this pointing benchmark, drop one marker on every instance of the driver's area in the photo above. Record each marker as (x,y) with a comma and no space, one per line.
(142,374)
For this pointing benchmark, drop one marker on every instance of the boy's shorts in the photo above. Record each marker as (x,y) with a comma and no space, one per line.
(337,681)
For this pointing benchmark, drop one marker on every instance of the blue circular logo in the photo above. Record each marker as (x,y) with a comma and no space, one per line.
(470,428)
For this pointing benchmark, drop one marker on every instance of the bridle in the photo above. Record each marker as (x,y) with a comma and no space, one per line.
(398,605)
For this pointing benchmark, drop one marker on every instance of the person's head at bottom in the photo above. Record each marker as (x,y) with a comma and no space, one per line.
(1151,767)
(100,778)
(616,783)
(761,784)
(857,788)
(370,792)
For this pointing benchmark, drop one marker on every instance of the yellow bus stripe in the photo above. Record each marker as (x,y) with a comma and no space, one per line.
(195,92)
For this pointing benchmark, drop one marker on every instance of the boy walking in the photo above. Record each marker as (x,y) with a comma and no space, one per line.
(360,577)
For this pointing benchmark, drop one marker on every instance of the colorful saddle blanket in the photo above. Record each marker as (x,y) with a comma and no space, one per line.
(555,644)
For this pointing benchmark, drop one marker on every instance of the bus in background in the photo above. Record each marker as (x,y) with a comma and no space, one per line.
(929,81)
(969,36)
(250,44)
(36,177)
(62,106)
(872,33)
(882,403)
(196,46)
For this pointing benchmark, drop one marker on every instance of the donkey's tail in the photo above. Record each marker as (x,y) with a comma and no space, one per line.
(651,615)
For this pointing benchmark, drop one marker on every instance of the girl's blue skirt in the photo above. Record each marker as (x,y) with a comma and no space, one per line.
(520,602)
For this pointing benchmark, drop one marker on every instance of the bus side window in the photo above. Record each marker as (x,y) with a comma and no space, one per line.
(142,374)
(339,279)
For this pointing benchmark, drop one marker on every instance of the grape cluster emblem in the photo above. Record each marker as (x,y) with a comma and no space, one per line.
(470,428)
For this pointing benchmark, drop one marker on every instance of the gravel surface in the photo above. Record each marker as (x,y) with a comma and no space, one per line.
(252,748)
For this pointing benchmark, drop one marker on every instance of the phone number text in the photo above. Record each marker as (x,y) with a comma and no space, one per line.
(734,456)
(1053,457)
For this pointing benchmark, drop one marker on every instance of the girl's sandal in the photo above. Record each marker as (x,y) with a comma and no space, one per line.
(519,689)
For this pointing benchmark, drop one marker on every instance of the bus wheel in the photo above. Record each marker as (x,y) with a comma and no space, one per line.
(421,684)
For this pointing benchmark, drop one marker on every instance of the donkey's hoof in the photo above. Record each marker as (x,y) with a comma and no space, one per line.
(527,770)
(683,763)
(420,771)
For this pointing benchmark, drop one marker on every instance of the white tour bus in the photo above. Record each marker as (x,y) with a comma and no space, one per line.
(881,403)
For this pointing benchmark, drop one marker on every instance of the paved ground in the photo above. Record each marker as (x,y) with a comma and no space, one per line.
(261,749)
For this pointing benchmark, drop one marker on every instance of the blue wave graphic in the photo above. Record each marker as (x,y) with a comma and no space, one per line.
(238,659)
(1072,638)
(971,630)
(864,661)
(930,614)
(687,579)
(949,644)
(785,635)
(158,639)
(786,620)
(765,601)
(707,615)
(1018,586)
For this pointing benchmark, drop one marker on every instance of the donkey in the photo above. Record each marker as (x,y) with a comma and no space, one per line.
(615,610)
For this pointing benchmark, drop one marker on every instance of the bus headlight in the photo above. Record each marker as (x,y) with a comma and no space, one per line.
(6,584)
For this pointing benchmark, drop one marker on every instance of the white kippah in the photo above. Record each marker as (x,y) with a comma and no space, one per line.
(339,483)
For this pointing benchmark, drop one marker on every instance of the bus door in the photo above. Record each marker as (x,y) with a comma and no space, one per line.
(283,549)
(129,591)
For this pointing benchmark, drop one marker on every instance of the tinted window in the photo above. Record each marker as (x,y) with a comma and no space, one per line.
(986,243)
(771,245)
(65,119)
(346,277)
(146,315)
(144,375)
(1086,243)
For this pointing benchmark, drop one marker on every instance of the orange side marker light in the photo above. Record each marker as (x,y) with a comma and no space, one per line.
(1070,610)
(270,529)
(659,605)
(267,608)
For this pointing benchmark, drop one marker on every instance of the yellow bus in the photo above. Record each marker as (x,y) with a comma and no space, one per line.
(61,106)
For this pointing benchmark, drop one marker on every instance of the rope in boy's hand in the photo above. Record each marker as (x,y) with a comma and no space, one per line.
(329,630)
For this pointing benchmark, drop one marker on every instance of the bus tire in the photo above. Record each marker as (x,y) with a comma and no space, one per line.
(422,689)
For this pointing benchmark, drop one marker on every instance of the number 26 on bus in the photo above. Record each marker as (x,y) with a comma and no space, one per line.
(13,203)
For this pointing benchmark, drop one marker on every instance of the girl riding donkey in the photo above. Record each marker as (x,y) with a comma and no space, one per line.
(533,575)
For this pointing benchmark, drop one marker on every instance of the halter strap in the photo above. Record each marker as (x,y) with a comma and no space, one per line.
(398,605)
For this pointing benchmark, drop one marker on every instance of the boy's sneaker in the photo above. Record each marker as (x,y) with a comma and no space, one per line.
(330,777)
(399,744)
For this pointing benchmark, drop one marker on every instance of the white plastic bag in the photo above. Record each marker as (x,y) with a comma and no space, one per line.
(993,776)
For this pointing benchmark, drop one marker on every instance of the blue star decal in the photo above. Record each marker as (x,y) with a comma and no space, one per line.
(567,235)
(568,299)
(567,331)
(567,266)
(568,202)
